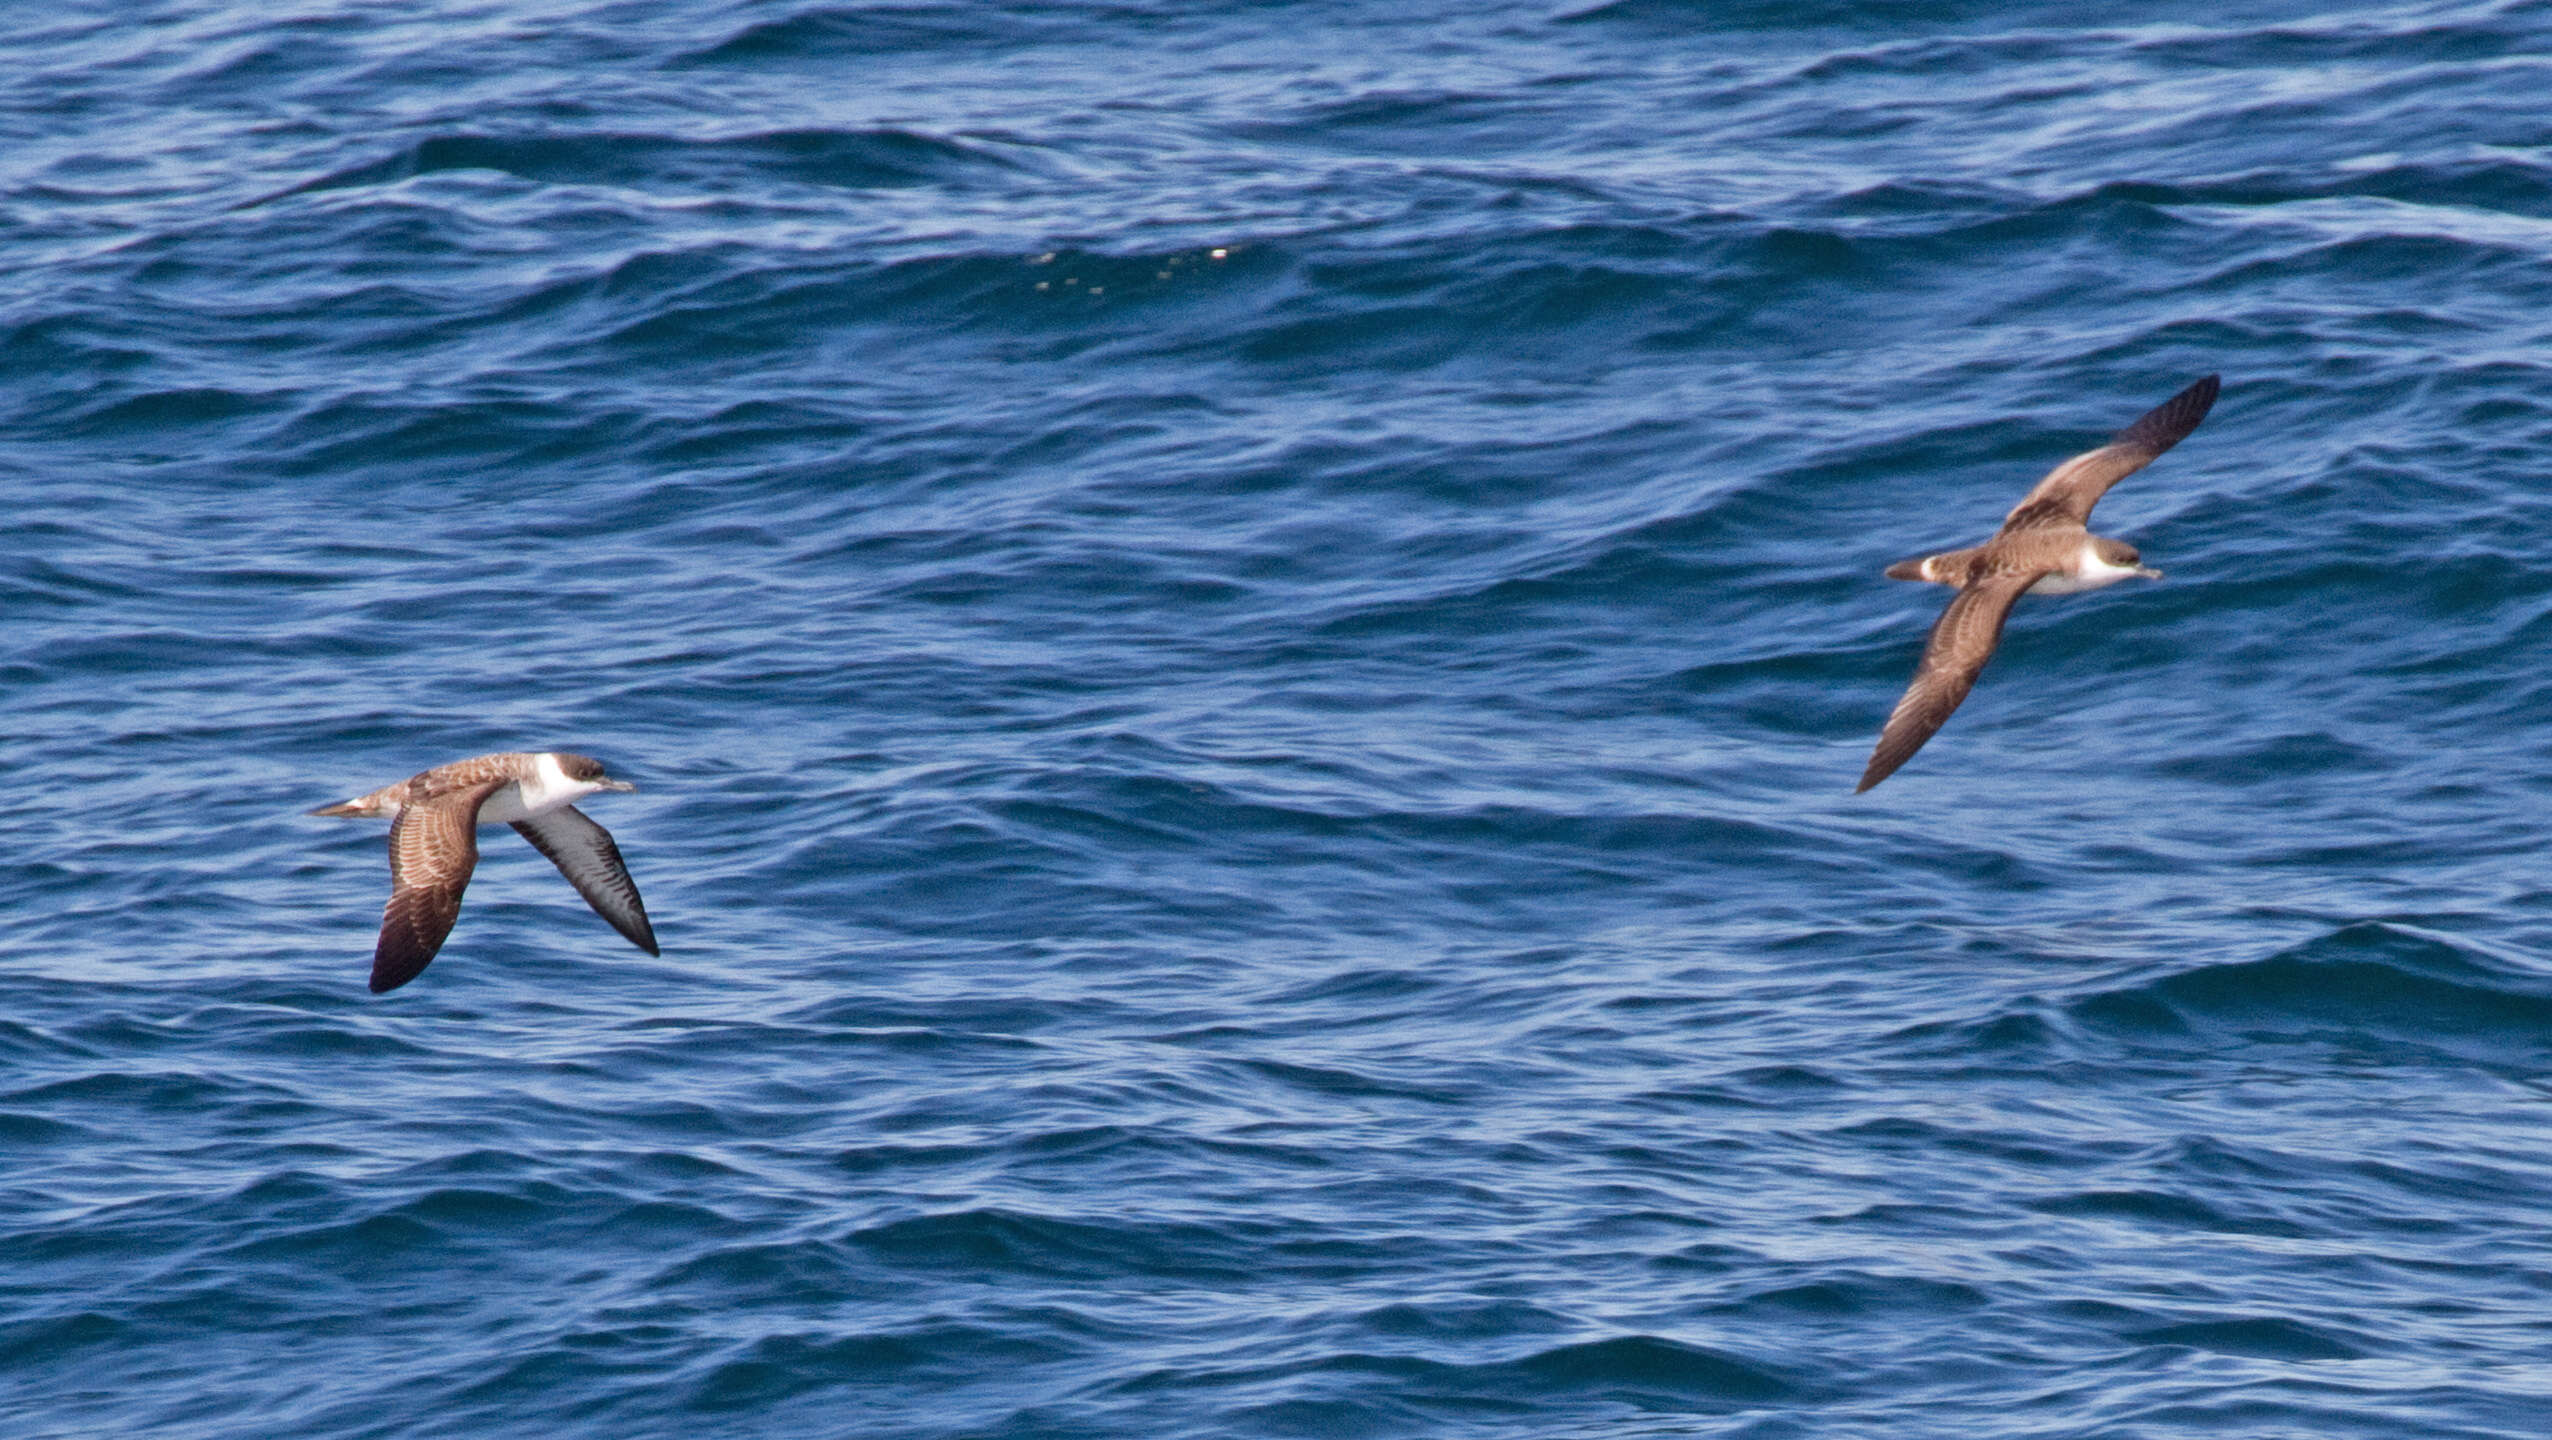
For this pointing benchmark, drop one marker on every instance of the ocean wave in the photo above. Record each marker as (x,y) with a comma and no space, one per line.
(1247,676)
(2370,979)
(854,159)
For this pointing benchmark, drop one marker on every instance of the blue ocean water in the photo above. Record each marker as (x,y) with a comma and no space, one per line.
(1247,630)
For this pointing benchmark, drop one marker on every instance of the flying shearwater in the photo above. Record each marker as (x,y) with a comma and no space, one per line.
(434,820)
(2044,545)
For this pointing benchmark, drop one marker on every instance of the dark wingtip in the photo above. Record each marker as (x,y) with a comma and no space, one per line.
(1887,759)
(639,932)
(1881,766)
(2201,397)
(392,969)
(2170,422)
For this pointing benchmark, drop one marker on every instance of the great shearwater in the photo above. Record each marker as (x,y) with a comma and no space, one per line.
(434,820)
(2044,545)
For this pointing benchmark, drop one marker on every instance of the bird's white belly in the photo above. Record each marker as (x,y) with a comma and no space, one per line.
(2063,584)
(504,807)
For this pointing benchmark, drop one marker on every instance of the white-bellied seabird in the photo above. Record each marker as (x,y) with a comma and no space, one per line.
(2043,546)
(434,820)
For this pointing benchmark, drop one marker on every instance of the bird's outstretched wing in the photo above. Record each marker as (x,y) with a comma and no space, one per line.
(1963,639)
(2066,496)
(583,852)
(433,849)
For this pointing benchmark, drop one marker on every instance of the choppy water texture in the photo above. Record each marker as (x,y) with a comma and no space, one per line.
(1247,629)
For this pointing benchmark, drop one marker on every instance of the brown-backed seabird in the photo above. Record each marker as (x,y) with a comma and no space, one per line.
(434,820)
(2043,546)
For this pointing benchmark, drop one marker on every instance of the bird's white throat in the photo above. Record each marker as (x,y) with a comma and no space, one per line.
(2090,572)
(538,793)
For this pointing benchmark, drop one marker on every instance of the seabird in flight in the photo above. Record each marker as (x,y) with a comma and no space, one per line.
(434,820)
(2043,546)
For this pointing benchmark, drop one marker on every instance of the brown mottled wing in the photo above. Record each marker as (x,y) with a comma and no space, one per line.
(433,848)
(469,774)
(1963,639)
(2066,496)
(583,852)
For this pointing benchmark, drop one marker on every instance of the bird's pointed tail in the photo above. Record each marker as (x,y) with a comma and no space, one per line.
(359,805)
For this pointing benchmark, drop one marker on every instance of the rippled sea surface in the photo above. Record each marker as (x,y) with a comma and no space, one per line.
(1247,629)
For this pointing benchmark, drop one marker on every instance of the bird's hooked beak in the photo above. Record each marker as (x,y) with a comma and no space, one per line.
(2148,572)
(615,784)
